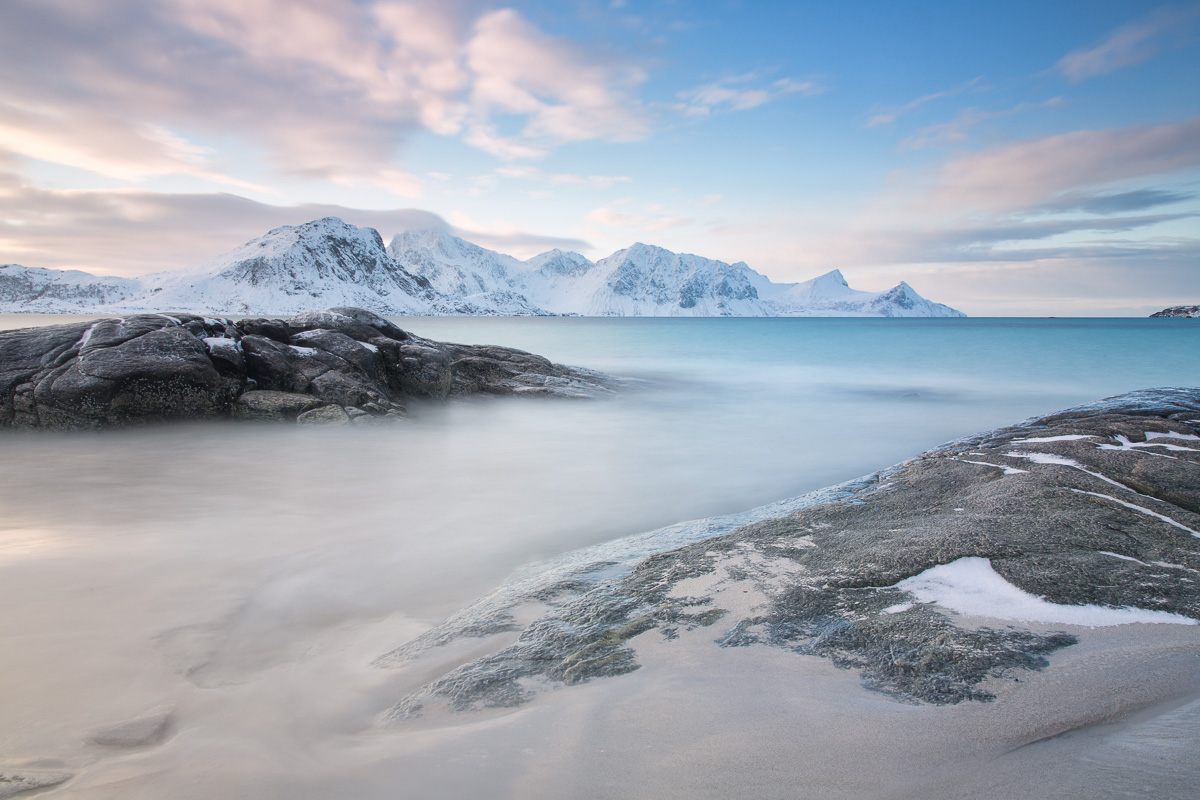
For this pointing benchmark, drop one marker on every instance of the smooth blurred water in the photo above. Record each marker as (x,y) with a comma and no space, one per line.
(247,575)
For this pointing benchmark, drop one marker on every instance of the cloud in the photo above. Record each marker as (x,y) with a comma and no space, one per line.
(887,115)
(737,94)
(955,131)
(314,89)
(564,97)
(1030,171)
(530,173)
(1079,198)
(1128,45)
(1136,200)
(132,232)
(651,218)
(1133,283)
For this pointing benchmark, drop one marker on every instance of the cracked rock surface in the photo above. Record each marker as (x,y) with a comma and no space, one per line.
(335,366)
(1095,509)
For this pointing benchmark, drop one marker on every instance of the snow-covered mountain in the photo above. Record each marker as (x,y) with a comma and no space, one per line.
(328,262)
(60,291)
(830,296)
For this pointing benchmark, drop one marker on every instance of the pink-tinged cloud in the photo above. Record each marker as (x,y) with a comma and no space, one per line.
(1128,45)
(319,89)
(132,232)
(652,218)
(564,96)
(1031,171)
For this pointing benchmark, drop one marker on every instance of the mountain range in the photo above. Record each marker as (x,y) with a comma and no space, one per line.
(328,262)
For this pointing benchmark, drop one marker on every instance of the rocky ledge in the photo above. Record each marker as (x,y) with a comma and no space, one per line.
(333,366)
(1087,516)
(1178,311)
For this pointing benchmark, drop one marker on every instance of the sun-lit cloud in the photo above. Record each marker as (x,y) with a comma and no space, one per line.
(1129,44)
(1027,172)
(741,93)
(320,90)
(1029,207)
(563,96)
(649,218)
(132,232)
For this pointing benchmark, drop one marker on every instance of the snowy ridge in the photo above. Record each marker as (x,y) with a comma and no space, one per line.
(328,262)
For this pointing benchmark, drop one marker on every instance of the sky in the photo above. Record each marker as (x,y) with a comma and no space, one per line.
(1006,158)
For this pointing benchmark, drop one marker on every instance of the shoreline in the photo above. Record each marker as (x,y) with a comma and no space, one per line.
(785,707)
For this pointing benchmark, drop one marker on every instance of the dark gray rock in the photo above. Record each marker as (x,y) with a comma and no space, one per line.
(325,415)
(1178,311)
(1098,505)
(265,404)
(153,367)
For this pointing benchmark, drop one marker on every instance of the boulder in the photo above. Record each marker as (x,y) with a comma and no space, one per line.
(155,367)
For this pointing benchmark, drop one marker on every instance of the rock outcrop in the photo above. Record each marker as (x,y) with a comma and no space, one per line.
(1091,514)
(1178,311)
(339,365)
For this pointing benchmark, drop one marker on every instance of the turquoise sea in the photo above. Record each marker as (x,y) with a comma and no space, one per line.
(239,572)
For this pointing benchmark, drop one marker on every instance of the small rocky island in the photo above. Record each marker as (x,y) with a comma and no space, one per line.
(1178,311)
(340,365)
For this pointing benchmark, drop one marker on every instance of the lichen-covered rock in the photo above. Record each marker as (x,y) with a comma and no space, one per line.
(1096,506)
(153,367)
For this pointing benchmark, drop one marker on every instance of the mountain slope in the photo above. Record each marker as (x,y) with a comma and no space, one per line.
(292,269)
(643,280)
(328,262)
(455,267)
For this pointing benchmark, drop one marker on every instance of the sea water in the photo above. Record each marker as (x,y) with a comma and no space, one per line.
(246,575)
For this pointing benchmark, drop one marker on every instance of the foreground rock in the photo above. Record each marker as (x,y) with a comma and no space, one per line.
(1090,516)
(339,365)
(1178,311)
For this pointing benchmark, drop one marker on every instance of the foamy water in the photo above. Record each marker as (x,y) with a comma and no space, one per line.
(246,576)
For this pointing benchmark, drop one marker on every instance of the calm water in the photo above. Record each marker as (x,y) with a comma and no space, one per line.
(246,576)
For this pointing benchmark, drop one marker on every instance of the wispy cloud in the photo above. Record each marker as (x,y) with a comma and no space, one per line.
(1116,203)
(531,173)
(885,115)
(741,93)
(1130,44)
(956,130)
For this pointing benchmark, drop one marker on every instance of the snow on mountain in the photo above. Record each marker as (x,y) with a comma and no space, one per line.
(328,262)
(643,280)
(56,291)
(292,269)
(455,267)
